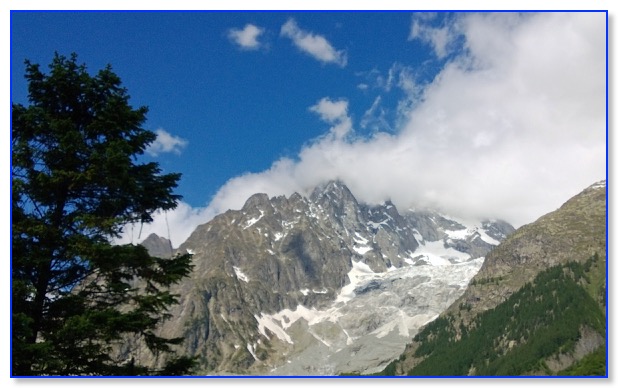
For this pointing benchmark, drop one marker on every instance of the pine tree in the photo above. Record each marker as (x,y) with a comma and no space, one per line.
(77,180)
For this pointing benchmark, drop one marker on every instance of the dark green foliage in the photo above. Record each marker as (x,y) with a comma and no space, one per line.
(478,282)
(76,182)
(541,319)
(437,334)
(390,370)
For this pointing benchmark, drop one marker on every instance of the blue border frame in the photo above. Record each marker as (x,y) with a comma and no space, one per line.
(260,377)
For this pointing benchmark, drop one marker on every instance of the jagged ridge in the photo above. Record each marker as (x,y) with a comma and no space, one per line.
(283,285)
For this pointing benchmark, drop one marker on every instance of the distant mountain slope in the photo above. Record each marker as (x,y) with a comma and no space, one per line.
(158,246)
(537,305)
(319,284)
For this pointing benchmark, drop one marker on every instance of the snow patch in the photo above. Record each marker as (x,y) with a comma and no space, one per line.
(254,220)
(417,235)
(459,234)
(306,291)
(377,225)
(240,275)
(362,246)
(487,238)
(359,274)
(472,228)
(268,322)
(360,239)
(361,250)
(279,322)
(349,340)
(320,339)
(436,254)
(289,224)
(598,185)
(251,349)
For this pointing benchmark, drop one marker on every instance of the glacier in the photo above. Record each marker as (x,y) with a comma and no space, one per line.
(376,308)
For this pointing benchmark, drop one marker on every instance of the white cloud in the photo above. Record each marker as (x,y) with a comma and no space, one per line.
(165,142)
(329,110)
(375,117)
(376,80)
(247,38)
(400,79)
(176,225)
(511,128)
(336,113)
(315,45)
(440,38)
(371,112)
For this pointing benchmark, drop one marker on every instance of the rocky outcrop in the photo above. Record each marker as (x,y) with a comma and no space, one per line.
(158,246)
(576,232)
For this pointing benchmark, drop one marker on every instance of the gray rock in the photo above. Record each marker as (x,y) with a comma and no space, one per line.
(158,246)
(352,269)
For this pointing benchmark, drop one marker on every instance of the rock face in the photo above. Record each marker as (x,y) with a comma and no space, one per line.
(158,246)
(576,232)
(319,284)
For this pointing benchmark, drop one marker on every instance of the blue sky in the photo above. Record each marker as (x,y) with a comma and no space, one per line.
(239,108)
(497,115)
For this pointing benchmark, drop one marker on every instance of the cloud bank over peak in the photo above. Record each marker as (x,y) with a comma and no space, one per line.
(511,127)
(335,113)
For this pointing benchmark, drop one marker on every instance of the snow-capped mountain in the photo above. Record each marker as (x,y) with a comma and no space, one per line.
(320,284)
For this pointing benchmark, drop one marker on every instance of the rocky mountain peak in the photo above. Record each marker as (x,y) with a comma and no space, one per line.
(598,185)
(331,189)
(497,229)
(318,280)
(258,201)
(158,246)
